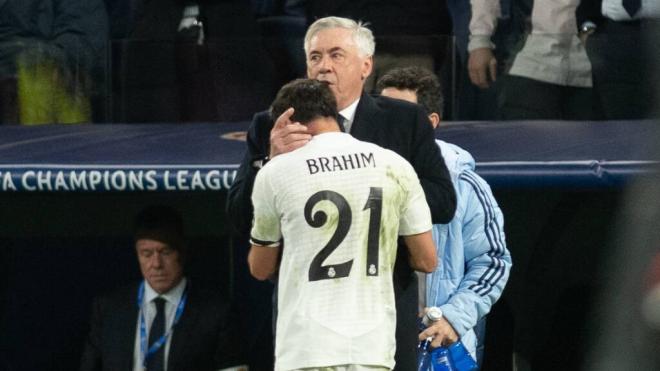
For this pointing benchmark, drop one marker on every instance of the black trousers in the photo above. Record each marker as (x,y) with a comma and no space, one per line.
(8,101)
(624,64)
(522,98)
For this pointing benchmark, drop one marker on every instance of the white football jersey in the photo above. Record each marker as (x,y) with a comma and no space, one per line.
(339,205)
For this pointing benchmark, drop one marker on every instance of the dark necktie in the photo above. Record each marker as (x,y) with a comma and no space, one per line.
(341,120)
(632,6)
(156,362)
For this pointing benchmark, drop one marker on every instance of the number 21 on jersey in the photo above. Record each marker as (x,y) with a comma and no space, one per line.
(374,204)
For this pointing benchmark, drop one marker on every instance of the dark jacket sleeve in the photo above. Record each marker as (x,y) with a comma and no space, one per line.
(427,161)
(239,202)
(589,10)
(91,356)
(228,351)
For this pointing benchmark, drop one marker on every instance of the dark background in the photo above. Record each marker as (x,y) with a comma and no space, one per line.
(80,246)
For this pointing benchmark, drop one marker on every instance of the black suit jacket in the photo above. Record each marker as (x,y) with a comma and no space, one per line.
(391,123)
(396,125)
(200,341)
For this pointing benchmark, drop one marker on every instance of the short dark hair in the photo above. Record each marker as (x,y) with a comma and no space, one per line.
(310,99)
(420,80)
(161,223)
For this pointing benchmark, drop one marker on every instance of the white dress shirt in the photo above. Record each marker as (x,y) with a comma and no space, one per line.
(172,299)
(349,115)
(614,10)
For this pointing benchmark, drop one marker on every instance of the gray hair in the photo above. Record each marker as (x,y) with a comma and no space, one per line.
(362,36)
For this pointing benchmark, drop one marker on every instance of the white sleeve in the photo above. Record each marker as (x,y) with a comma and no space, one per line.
(266,222)
(483,23)
(415,212)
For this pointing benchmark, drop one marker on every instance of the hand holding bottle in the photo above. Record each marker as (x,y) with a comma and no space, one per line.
(438,328)
(449,354)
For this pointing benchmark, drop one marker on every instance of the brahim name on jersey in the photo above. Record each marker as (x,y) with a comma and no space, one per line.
(339,163)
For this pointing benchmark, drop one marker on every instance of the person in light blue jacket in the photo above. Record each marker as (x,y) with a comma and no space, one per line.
(473,261)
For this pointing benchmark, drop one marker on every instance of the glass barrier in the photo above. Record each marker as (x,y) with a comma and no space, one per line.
(610,73)
(227,80)
(537,76)
(41,83)
(145,81)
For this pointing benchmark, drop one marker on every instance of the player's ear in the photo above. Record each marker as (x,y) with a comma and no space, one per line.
(435,119)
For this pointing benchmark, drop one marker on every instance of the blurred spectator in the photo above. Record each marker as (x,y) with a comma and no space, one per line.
(52,56)
(182,60)
(549,77)
(626,331)
(472,246)
(471,102)
(408,32)
(282,24)
(624,52)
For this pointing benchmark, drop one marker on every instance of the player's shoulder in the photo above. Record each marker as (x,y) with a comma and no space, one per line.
(389,155)
(282,163)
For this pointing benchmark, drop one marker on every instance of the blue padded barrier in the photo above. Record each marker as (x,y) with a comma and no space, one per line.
(205,156)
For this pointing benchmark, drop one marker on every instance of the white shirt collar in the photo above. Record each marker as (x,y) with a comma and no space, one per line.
(349,114)
(173,296)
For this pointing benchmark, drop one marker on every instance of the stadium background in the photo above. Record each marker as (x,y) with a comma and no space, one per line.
(571,192)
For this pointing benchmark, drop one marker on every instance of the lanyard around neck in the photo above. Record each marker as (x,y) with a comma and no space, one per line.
(143,326)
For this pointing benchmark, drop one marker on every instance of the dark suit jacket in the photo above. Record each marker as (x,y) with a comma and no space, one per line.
(394,124)
(200,341)
(391,123)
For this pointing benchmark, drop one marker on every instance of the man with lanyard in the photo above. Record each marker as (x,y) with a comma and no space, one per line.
(164,322)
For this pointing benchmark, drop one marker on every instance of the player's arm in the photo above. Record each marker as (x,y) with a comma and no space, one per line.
(415,222)
(266,234)
(422,252)
(263,261)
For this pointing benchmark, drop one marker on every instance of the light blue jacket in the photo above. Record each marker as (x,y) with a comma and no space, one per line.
(473,261)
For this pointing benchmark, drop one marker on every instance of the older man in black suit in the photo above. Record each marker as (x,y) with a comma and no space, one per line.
(340,51)
(164,322)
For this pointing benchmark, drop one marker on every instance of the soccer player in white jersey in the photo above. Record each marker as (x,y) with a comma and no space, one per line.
(335,208)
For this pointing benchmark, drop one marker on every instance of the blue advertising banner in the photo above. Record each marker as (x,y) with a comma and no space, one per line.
(206,156)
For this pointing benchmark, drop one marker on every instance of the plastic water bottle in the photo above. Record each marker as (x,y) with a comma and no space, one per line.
(454,357)
(461,358)
(431,360)
(441,360)
(423,356)
(437,359)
